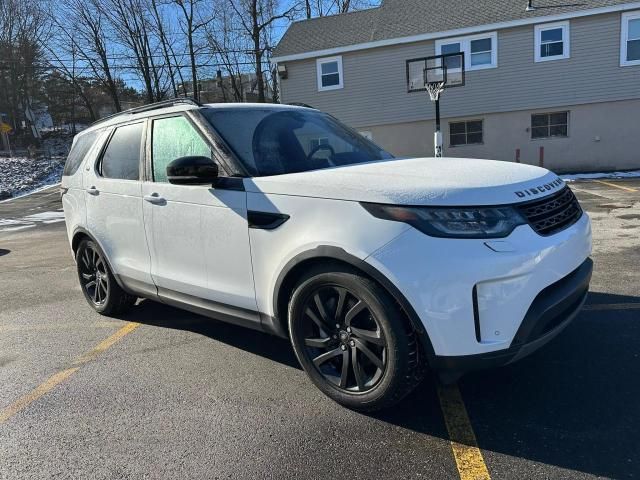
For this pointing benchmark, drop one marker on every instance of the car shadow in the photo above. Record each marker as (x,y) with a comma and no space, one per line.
(157,314)
(573,404)
(4,251)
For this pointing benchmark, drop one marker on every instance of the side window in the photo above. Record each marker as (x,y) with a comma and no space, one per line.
(173,138)
(630,39)
(465,133)
(329,73)
(81,146)
(121,159)
(546,125)
(551,41)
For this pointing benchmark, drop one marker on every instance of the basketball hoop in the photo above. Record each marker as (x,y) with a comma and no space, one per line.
(434,74)
(435,89)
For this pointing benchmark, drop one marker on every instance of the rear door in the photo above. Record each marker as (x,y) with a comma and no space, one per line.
(198,235)
(113,195)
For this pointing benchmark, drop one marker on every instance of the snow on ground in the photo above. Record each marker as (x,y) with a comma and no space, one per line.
(20,175)
(570,177)
(11,225)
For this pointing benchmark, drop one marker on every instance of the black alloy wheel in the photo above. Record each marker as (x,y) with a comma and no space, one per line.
(98,283)
(352,339)
(94,276)
(343,339)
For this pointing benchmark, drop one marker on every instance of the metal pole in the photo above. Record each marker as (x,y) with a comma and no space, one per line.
(437,139)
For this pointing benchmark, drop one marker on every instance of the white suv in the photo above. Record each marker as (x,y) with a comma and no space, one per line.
(281,219)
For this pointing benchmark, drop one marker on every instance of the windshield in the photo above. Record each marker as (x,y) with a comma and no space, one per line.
(271,141)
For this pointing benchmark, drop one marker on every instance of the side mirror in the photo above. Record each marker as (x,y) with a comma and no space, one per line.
(192,171)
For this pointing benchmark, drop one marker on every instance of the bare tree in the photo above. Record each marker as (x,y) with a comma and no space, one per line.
(130,20)
(90,40)
(164,42)
(321,8)
(24,28)
(231,51)
(73,73)
(257,16)
(191,24)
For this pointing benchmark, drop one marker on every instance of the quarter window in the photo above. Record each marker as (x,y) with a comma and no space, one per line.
(121,159)
(174,137)
(480,51)
(630,39)
(329,71)
(545,125)
(551,41)
(79,150)
(465,133)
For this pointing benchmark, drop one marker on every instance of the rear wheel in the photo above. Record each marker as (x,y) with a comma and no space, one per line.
(350,337)
(98,283)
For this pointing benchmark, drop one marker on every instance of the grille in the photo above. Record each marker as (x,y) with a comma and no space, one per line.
(552,213)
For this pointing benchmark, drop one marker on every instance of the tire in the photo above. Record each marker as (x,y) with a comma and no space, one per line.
(97,282)
(338,315)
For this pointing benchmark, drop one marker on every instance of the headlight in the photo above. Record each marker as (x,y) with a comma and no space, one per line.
(452,222)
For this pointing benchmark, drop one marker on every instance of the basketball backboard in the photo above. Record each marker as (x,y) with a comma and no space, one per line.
(447,68)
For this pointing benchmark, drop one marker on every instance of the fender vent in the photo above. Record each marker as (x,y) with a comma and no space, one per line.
(552,213)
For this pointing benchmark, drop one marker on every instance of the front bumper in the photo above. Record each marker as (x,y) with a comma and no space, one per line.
(441,278)
(551,311)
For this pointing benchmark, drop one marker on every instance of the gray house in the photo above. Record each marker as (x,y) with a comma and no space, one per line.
(557,84)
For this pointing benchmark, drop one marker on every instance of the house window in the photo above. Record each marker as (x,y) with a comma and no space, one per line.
(465,133)
(545,125)
(551,41)
(329,71)
(630,39)
(480,51)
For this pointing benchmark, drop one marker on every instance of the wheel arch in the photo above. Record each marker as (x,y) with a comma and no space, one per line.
(296,267)
(80,234)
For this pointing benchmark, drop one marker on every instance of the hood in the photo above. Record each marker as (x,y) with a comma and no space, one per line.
(418,181)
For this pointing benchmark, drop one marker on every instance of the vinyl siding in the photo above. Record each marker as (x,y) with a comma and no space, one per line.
(375,88)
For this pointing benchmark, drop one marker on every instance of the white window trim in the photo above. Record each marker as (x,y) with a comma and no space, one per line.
(624,33)
(465,46)
(566,40)
(319,63)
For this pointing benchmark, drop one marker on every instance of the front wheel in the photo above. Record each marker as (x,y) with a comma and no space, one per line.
(98,284)
(350,337)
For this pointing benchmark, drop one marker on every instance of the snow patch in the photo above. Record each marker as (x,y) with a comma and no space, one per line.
(46,218)
(572,177)
(20,175)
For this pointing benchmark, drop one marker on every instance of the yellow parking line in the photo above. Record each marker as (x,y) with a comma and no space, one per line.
(612,306)
(468,456)
(59,377)
(617,186)
(102,346)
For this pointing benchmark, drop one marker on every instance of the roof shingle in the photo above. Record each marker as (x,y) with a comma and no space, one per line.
(404,18)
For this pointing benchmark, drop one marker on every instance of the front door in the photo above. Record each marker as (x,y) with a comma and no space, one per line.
(113,194)
(198,235)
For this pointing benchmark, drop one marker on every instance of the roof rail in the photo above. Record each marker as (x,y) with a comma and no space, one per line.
(151,106)
(300,104)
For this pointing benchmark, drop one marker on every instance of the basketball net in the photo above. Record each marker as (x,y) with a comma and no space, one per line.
(435,89)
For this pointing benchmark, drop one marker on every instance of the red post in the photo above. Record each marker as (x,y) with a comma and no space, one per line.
(541,157)
(517,155)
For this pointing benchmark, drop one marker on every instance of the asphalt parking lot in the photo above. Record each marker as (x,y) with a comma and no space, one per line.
(162,393)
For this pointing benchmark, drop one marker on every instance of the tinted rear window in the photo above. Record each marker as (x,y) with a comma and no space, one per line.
(79,150)
(121,159)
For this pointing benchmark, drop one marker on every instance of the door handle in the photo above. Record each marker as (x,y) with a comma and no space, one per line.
(93,190)
(155,199)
